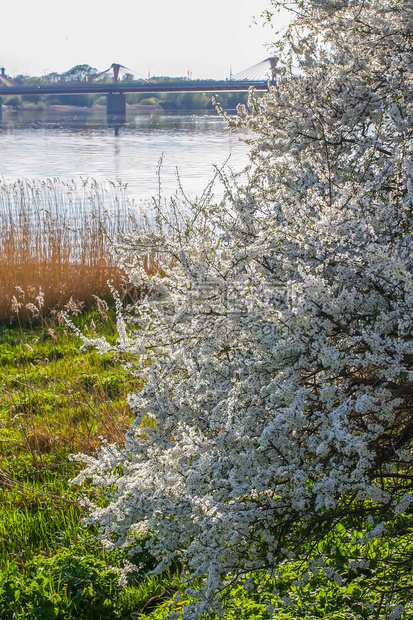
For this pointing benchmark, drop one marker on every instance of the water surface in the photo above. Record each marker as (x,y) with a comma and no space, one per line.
(74,144)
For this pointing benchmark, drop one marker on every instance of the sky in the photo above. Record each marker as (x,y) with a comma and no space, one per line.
(156,37)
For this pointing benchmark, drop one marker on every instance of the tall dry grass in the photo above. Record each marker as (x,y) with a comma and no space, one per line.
(55,236)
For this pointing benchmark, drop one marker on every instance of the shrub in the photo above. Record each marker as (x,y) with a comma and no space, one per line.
(277,350)
(15,101)
(149,101)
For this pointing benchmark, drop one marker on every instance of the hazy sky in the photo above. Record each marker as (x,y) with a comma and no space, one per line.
(165,37)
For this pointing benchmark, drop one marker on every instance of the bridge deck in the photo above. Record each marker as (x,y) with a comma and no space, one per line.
(140,87)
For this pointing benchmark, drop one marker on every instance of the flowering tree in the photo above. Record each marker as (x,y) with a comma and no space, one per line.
(276,342)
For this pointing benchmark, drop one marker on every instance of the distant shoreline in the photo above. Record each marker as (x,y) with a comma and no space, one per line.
(133,107)
(63,108)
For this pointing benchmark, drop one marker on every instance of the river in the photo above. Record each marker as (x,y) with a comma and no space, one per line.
(73,144)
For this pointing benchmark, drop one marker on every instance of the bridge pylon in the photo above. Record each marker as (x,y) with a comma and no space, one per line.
(116,104)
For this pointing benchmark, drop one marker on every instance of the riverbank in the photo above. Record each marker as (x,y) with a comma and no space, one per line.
(56,400)
(41,106)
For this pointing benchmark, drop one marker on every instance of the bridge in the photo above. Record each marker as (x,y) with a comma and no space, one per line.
(116,90)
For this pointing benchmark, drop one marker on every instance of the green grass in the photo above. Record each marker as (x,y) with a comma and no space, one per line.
(56,400)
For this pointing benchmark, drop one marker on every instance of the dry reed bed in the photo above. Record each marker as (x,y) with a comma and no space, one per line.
(55,237)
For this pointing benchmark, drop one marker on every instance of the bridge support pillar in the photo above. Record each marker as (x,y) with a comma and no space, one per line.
(1,111)
(116,105)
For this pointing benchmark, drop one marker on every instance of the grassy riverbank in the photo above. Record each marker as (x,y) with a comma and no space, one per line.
(56,400)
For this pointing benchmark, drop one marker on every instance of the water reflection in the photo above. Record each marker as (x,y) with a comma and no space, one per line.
(70,144)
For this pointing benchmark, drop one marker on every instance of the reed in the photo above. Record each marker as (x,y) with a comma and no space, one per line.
(56,238)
